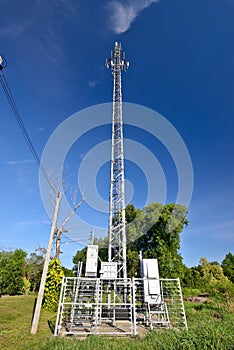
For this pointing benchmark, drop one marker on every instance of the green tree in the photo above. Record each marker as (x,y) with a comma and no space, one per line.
(53,285)
(137,229)
(192,277)
(34,268)
(228,266)
(133,263)
(79,256)
(216,283)
(160,227)
(12,271)
(131,213)
(68,272)
(156,231)
(211,272)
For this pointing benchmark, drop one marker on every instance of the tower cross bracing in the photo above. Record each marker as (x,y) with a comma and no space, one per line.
(117,231)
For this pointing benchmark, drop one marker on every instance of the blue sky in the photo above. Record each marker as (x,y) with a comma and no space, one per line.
(181,57)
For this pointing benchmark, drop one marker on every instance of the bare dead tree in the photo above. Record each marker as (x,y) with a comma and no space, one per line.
(59,231)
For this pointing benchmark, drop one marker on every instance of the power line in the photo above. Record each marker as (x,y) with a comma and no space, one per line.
(26,136)
(19,120)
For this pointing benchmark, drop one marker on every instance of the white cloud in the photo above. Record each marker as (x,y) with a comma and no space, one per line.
(122,14)
(18,162)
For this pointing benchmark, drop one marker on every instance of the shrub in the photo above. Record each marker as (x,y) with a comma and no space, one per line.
(53,285)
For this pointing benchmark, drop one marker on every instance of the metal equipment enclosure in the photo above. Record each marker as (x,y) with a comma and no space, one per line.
(117,306)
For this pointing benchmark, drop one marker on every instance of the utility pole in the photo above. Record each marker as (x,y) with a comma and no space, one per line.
(117,233)
(92,237)
(37,311)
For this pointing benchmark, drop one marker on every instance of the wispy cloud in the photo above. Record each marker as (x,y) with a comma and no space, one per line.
(19,162)
(40,20)
(122,14)
(38,12)
(214,230)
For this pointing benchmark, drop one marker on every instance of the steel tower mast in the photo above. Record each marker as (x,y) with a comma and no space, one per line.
(117,233)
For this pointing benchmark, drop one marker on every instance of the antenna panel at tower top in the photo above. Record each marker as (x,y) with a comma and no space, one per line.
(117,59)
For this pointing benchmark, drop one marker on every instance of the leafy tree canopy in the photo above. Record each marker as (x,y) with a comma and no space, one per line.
(228,266)
(34,268)
(211,272)
(12,270)
(156,231)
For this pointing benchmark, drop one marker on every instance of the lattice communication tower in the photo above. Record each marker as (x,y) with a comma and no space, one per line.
(117,232)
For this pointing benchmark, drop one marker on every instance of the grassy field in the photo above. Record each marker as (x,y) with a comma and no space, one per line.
(211,326)
(15,324)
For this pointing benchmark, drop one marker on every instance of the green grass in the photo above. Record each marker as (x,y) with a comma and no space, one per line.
(15,324)
(211,326)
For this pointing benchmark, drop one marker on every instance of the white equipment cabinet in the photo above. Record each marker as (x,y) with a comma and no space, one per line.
(92,261)
(152,292)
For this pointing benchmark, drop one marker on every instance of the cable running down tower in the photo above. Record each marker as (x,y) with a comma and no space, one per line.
(117,233)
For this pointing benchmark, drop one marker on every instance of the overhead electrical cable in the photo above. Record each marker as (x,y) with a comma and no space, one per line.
(20,122)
